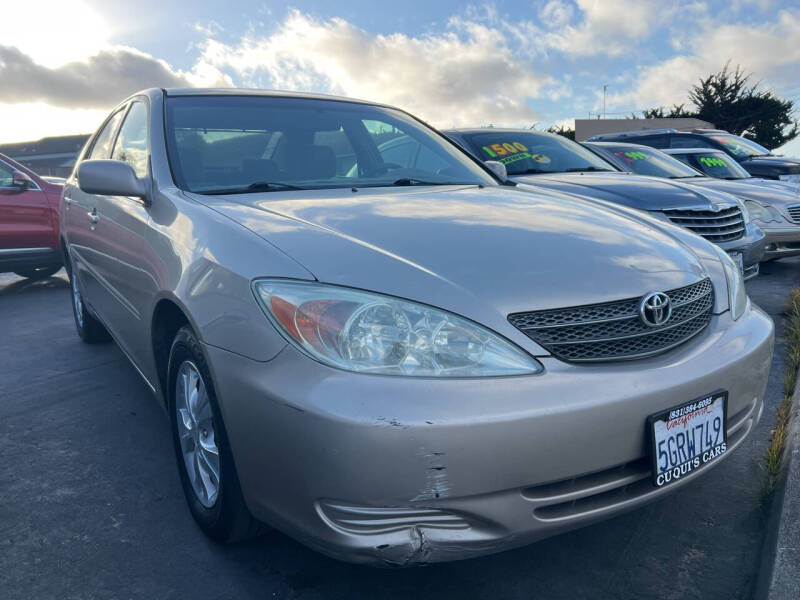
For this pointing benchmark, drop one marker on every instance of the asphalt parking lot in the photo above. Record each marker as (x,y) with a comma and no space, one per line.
(92,505)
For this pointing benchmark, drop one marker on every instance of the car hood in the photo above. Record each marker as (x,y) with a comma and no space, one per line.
(748,189)
(789,165)
(636,191)
(480,252)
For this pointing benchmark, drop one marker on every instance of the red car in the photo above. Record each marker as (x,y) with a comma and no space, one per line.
(28,222)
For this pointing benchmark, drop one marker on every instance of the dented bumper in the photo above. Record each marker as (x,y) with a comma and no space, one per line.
(400,471)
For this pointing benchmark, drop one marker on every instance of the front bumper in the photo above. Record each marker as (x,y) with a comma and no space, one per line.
(392,470)
(781,241)
(751,245)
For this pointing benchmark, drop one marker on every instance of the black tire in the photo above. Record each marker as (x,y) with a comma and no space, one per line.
(90,330)
(39,272)
(228,520)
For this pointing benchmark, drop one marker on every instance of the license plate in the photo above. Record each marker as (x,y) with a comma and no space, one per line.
(737,258)
(687,437)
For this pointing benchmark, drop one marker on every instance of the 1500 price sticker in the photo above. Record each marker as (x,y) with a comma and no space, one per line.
(495,150)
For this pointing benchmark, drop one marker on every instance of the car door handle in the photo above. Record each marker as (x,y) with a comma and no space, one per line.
(93,218)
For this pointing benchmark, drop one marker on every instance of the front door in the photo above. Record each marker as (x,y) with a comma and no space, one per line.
(119,246)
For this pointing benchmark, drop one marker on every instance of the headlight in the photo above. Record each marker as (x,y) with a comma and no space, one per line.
(746,215)
(737,297)
(759,212)
(372,333)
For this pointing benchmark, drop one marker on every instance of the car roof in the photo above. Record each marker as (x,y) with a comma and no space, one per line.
(263,93)
(692,150)
(473,130)
(619,143)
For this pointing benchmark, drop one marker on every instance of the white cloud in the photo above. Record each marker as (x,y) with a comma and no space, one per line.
(770,50)
(608,26)
(54,32)
(556,13)
(447,79)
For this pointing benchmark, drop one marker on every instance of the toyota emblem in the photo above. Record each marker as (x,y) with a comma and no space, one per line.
(655,309)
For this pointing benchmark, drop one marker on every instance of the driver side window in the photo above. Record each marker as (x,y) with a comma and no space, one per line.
(102,143)
(131,145)
(6,176)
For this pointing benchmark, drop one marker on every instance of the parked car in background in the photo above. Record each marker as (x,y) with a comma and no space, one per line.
(28,222)
(756,160)
(775,208)
(399,365)
(717,164)
(552,162)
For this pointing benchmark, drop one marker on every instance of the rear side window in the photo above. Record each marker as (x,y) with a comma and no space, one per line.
(102,143)
(131,144)
(689,141)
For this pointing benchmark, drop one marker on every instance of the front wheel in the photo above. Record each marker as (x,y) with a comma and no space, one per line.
(209,478)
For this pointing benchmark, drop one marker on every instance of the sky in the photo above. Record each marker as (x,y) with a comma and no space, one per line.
(65,63)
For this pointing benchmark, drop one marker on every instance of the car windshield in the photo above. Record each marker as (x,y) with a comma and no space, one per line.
(645,161)
(739,146)
(714,164)
(525,152)
(246,144)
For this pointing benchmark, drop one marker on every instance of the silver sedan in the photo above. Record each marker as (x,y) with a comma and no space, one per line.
(393,364)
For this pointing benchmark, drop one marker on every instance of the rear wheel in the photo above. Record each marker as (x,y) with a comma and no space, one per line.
(210,482)
(39,272)
(90,330)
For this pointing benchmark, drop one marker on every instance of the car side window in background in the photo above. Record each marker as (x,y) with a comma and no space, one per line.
(131,144)
(102,143)
(6,175)
(680,141)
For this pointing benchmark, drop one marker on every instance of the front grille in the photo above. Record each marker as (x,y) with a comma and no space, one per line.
(615,330)
(794,212)
(723,226)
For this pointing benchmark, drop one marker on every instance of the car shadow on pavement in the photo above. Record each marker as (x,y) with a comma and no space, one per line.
(22,286)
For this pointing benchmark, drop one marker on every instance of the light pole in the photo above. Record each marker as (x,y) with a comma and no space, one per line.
(605,89)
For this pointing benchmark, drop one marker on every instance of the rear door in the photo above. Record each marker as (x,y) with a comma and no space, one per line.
(25,215)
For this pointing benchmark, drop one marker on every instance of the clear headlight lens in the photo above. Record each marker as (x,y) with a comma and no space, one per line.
(372,333)
(737,296)
(760,212)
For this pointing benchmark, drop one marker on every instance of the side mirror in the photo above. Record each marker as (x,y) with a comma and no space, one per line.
(110,178)
(21,181)
(497,168)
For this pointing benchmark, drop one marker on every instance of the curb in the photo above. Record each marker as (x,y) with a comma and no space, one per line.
(779,575)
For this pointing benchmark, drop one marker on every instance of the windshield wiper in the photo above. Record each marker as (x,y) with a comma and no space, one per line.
(530,171)
(587,170)
(413,181)
(258,186)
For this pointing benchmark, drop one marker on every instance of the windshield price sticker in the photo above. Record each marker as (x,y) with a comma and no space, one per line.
(515,157)
(712,161)
(687,437)
(510,152)
(495,150)
(632,156)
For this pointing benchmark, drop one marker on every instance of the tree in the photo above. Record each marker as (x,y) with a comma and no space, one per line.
(562,130)
(730,101)
(677,111)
